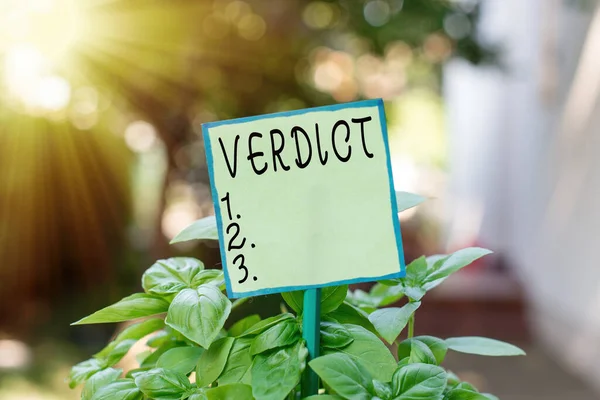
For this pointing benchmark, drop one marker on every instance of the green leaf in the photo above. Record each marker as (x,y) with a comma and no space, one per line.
(234,391)
(122,389)
(276,373)
(180,359)
(385,294)
(163,384)
(199,314)
(466,394)
(117,352)
(344,375)
(131,307)
(171,276)
(331,298)
(416,352)
(133,372)
(204,228)
(244,324)
(400,287)
(403,362)
(82,371)
(212,361)
(465,385)
(142,355)
(453,380)
(295,300)
(208,276)
(363,300)
(483,346)
(116,349)
(406,200)
(447,266)
(98,380)
(239,302)
(416,272)
(282,334)
(390,282)
(411,284)
(140,329)
(435,261)
(370,352)
(346,313)
(390,322)
(419,381)
(160,338)
(437,347)
(152,359)
(237,368)
(323,397)
(266,324)
(415,293)
(334,335)
(382,390)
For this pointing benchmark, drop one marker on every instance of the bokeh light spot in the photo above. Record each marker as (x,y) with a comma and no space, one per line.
(237,9)
(399,53)
(53,93)
(140,136)
(23,66)
(14,354)
(51,26)
(318,15)
(377,12)
(328,76)
(84,108)
(437,47)
(252,27)
(457,26)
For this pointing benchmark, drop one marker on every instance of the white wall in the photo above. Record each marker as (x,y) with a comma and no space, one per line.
(525,157)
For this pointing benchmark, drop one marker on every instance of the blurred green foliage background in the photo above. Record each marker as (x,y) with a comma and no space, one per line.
(101,103)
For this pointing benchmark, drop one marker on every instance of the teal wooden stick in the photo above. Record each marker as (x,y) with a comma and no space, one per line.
(311,328)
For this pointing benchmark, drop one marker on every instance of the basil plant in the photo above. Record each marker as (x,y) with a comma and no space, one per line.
(189,354)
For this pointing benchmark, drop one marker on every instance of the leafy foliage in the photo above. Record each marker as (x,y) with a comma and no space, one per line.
(199,314)
(430,348)
(368,350)
(203,229)
(264,358)
(180,359)
(344,375)
(171,276)
(211,362)
(276,373)
(131,307)
(389,322)
(483,346)
(405,200)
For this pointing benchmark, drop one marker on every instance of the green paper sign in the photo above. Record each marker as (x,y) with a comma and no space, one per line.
(304,199)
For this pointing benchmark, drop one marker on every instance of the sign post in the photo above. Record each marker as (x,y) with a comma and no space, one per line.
(303,200)
(311,328)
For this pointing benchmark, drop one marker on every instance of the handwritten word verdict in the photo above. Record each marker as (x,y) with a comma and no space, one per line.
(337,138)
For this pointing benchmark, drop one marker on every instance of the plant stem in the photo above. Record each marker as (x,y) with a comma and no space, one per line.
(411,326)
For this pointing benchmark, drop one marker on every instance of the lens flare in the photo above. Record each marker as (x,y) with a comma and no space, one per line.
(36,38)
